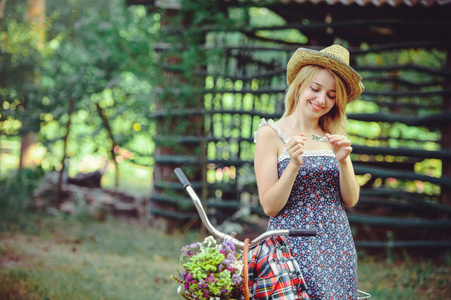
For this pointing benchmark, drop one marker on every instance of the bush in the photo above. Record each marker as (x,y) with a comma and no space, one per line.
(17,197)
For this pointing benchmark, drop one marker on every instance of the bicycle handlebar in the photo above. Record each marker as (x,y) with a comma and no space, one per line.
(284,232)
(182,178)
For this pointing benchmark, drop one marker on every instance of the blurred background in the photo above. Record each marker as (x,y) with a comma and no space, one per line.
(101,100)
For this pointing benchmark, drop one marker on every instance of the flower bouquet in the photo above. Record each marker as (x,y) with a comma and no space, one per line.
(211,271)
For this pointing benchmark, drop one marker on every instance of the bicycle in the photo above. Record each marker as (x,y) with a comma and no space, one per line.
(247,243)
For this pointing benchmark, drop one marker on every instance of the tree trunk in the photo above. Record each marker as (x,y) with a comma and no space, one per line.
(2,8)
(59,186)
(27,146)
(113,143)
(36,16)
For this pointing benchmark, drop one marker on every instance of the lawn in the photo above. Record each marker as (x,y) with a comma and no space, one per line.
(89,260)
(61,258)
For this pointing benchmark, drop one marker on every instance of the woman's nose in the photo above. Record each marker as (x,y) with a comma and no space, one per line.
(321,98)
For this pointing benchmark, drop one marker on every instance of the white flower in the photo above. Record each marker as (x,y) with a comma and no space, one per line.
(238,265)
(208,242)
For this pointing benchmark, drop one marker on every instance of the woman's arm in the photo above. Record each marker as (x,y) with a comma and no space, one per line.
(274,191)
(349,187)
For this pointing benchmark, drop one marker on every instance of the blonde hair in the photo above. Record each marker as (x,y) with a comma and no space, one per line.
(334,121)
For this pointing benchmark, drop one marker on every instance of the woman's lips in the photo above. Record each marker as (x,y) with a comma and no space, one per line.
(315,107)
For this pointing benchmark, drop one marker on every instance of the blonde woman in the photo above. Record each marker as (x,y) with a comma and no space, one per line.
(304,172)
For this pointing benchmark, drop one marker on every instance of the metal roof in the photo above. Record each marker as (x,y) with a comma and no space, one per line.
(377,3)
(175,4)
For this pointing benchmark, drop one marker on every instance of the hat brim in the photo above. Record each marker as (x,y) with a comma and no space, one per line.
(303,57)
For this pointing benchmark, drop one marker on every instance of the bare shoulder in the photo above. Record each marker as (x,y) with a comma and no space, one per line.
(267,134)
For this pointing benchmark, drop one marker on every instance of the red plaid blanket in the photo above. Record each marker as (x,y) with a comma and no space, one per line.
(274,273)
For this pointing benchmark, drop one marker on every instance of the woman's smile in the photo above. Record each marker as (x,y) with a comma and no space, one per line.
(315,107)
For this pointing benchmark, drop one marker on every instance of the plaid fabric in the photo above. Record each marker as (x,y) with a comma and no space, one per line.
(274,273)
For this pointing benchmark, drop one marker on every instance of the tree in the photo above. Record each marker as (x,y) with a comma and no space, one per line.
(23,44)
(98,55)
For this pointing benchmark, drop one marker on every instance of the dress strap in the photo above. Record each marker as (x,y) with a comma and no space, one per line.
(271,124)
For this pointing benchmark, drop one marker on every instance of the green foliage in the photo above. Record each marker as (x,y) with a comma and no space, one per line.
(21,59)
(93,53)
(263,17)
(16,193)
(104,57)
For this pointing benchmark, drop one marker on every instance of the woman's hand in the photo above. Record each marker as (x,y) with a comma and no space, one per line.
(349,187)
(295,148)
(341,146)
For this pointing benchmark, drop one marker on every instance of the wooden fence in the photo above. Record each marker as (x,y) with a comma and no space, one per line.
(396,127)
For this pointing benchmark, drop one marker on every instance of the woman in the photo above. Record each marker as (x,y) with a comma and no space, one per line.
(304,172)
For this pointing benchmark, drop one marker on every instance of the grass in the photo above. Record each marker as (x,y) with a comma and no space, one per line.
(69,259)
(405,278)
(138,179)
(60,257)
(75,260)
(46,256)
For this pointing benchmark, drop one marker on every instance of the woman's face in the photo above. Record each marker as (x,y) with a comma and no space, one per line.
(318,98)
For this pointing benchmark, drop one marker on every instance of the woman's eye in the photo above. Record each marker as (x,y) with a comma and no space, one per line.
(313,89)
(332,96)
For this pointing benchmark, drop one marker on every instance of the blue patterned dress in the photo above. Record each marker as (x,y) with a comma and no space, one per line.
(329,260)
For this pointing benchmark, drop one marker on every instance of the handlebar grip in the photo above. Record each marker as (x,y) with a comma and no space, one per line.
(302,232)
(182,177)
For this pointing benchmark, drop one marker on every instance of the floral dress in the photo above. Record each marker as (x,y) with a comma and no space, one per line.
(328,261)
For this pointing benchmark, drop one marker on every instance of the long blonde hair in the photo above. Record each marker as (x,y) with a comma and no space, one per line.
(334,121)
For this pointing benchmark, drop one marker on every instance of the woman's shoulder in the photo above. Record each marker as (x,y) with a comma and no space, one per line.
(268,131)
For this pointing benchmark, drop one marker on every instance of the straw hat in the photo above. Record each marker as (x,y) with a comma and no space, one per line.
(335,58)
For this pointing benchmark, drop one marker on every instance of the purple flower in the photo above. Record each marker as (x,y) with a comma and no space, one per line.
(229,245)
(236,278)
(231,258)
(224,265)
(189,249)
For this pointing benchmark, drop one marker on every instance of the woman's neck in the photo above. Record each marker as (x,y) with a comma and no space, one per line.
(307,126)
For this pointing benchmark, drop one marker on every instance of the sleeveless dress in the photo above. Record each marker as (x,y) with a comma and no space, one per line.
(328,261)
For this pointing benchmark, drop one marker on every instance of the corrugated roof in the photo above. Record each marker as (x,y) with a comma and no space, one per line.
(377,3)
(175,4)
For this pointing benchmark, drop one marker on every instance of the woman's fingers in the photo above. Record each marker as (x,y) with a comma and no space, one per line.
(345,143)
(295,148)
(296,139)
(341,145)
(293,145)
(295,142)
(338,139)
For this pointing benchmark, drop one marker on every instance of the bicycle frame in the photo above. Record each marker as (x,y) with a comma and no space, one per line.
(285,232)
